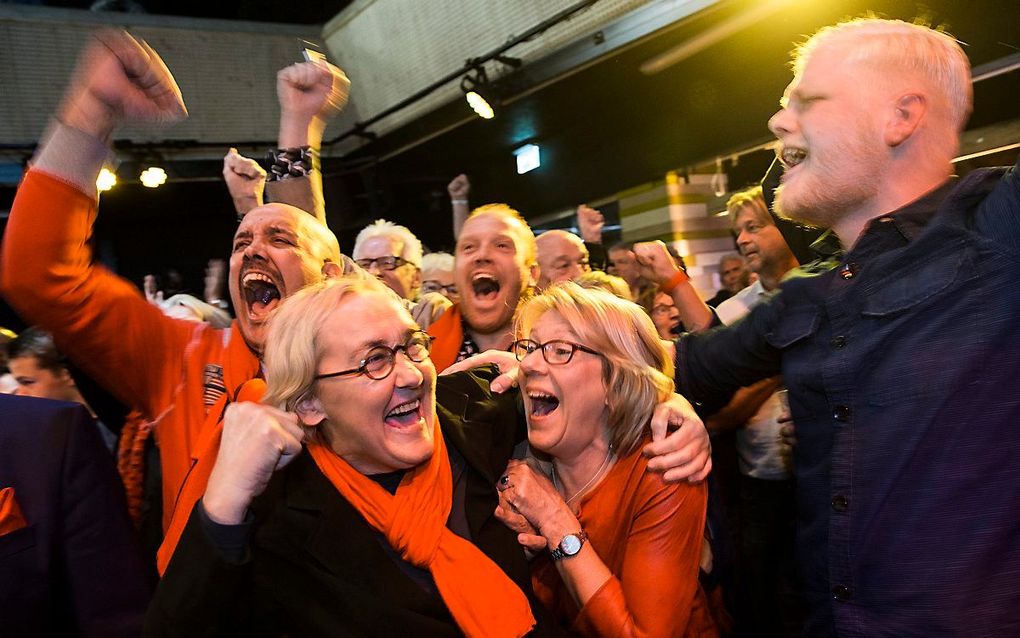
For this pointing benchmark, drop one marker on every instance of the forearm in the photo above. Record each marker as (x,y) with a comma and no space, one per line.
(297,131)
(461,210)
(744,405)
(694,312)
(48,275)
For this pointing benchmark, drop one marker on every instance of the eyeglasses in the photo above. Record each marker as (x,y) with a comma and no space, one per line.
(388,262)
(555,352)
(431,285)
(381,359)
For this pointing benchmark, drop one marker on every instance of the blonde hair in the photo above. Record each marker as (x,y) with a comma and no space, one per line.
(610,283)
(292,350)
(916,48)
(526,234)
(410,245)
(636,368)
(749,199)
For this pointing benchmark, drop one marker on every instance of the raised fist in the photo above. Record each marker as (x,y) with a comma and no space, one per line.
(119,78)
(590,223)
(459,188)
(312,90)
(245,179)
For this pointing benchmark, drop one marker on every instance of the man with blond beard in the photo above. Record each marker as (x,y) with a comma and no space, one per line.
(905,424)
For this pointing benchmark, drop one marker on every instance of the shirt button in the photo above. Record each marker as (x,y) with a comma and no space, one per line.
(848,270)
(841,413)
(838,342)
(840,503)
(841,593)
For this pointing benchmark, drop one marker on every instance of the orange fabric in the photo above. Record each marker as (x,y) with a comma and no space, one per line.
(448,334)
(11,518)
(131,462)
(649,534)
(481,598)
(196,481)
(146,359)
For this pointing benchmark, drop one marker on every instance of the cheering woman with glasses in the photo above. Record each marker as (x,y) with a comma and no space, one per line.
(618,548)
(384,525)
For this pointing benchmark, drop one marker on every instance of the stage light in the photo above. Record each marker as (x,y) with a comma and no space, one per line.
(153,177)
(107,179)
(479,94)
(528,158)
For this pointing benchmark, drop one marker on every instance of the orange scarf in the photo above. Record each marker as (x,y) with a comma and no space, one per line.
(481,598)
(197,479)
(448,333)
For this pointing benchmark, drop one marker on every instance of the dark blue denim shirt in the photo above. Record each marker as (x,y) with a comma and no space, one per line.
(903,369)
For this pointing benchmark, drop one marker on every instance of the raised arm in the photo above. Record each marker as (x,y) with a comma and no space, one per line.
(310,94)
(459,190)
(659,266)
(101,321)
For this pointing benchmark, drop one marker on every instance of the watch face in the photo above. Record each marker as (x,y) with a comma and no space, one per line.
(570,544)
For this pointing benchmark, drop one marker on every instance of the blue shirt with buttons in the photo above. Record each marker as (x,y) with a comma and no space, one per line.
(903,369)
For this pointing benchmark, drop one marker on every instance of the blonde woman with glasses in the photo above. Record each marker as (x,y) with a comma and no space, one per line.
(617,546)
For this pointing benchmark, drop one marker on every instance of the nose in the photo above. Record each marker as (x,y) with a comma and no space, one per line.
(408,374)
(533,362)
(743,239)
(374,269)
(255,249)
(782,123)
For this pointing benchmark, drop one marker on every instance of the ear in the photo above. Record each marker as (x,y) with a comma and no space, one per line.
(908,112)
(331,270)
(65,378)
(533,272)
(309,410)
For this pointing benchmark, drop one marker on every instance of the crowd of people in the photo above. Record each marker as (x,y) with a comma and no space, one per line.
(526,437)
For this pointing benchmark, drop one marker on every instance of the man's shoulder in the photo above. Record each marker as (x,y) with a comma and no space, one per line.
(32,419)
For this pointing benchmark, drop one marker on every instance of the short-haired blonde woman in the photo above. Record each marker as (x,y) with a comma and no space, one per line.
(624,545)
(346,503)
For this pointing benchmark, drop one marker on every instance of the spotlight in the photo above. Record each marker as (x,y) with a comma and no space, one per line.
(107,179)
(479,94)
(153,177)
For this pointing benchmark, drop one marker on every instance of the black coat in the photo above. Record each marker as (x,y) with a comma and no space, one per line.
(316,568)
(76,568)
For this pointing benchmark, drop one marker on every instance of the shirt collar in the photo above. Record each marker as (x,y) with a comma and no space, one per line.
(911,219)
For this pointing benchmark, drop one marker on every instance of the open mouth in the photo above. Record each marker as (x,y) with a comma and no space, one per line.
(485,287)
(261,294)
(542,403)
(405,414)
(791,156)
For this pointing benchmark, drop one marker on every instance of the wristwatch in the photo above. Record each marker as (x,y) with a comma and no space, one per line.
(569,546)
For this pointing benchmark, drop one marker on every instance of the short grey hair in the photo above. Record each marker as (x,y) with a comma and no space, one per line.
(411,250)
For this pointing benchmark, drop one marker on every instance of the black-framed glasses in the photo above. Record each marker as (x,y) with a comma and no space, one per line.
(432,285)
(387,262)
(556,352)
(380,361)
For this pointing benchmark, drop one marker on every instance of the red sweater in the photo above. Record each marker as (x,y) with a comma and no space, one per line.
(159,365)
